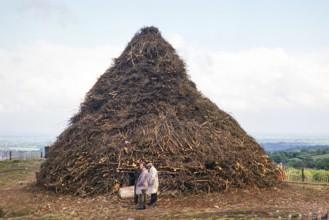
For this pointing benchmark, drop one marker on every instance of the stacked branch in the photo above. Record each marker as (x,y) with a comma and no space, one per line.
(145,108)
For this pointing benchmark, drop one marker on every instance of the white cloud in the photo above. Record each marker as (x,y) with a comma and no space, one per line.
(44,80)
(259,78)
(43,84)
(266,89)
(44,76)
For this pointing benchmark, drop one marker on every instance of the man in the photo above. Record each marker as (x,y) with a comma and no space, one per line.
(142,186)
(136,176)
(153,183)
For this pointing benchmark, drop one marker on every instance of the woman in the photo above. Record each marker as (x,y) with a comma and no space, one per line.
(142,186)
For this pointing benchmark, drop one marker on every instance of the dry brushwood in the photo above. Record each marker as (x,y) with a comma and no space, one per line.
(146,108)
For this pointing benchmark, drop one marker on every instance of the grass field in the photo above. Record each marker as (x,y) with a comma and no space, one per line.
(16,170)
(310,175)
(321,156)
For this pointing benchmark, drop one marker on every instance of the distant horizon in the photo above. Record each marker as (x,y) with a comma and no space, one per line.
(268,142)
(257,136)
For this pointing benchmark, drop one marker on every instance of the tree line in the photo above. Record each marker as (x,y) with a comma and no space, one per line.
(315,158)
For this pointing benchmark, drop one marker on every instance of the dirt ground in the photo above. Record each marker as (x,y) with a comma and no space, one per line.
(20,199)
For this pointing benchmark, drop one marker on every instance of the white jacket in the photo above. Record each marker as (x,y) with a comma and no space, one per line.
(153,180)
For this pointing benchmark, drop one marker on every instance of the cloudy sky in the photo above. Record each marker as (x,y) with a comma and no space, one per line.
(264,62)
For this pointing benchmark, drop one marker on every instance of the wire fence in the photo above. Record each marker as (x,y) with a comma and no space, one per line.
(20,155)
(306,175)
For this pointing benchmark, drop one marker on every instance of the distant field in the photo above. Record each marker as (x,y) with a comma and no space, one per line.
(321,156)
(30,143)
(24,143)
(292,144)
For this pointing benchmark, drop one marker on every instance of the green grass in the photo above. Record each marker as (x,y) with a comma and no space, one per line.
(54,216)
(10,164)
(320,156)
(15,170)
(311,175)
(20,213)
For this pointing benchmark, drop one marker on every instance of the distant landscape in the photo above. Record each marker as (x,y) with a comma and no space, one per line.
(270,144)
(293,143)
(23,147)
(28,143)
(289,150)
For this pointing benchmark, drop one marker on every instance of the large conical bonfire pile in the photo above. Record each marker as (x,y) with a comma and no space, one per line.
(145,108)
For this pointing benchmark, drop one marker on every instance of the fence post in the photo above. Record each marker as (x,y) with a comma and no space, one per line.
(10,155)
(303,174)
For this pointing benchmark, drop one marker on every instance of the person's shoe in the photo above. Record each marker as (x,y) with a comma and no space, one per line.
(141,208)
(153,204)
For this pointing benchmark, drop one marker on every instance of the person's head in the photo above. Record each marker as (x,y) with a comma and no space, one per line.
(149,165)
(141,165)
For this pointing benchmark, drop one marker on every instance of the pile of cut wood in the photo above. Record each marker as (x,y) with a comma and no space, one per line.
(146,108)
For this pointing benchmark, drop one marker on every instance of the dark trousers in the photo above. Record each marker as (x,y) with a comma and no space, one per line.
(142,200)
(136,199)
(154,197)
(135,196)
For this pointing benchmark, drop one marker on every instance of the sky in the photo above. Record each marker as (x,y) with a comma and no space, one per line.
(266,63)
